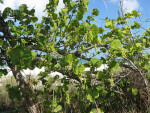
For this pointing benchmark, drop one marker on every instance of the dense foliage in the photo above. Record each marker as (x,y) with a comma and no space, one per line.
(58,42)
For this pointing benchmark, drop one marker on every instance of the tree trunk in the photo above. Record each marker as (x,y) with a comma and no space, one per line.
(30,103)
(31,106)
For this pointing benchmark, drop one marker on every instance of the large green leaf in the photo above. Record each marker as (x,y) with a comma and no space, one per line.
(34,19)
(21,57)
(137,25)
(7,12)
(34,54)
(135,13)
(69,58)
(114,65)
(72,3)
(94,61)
(84,27)
(100,75)
(115,44)
(95,30)
(57,109)
(81,68)
(108,24)
(101,30)
(23,8)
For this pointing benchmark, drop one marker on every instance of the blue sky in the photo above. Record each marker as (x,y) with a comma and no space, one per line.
(107,8)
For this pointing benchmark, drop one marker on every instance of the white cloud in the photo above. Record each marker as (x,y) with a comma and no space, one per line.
(129,5)
(60,5)
(38,5)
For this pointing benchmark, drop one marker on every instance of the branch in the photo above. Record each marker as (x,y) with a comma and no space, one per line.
(91,47)
(144,20)
(120,79)
(70,75)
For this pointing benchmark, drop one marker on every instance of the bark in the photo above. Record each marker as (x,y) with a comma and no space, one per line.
(31,104)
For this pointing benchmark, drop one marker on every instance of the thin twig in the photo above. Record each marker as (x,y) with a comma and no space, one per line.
(144,20)
(96,107)
(121,79)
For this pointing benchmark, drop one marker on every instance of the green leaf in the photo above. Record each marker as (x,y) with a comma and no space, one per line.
(84,27)
(66,1)
(126,27)
(134,91)
(115,67)
(90,98)
(95,93)
(58,108)
(31,12)
(64,10)
(3,71)
(81,68)
(7,12)
(76,71)
(138,44)
(80,15)
(103,50)
(99,74)
(95,110)
(69,58)
(34,19)
(94,60)
(115,44)
(95,12)
(95,47)
(42,41)
(98,87)
(23,8)
(108,24)
(89,91)
(95,30)
(86,2)
(101,30)
(128,15)
(73,3)
(136,25)
(33,54)
(135,13)
(21,57)
(1,42)
(99,63)
(10,22)
(13,92)
(82,46)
